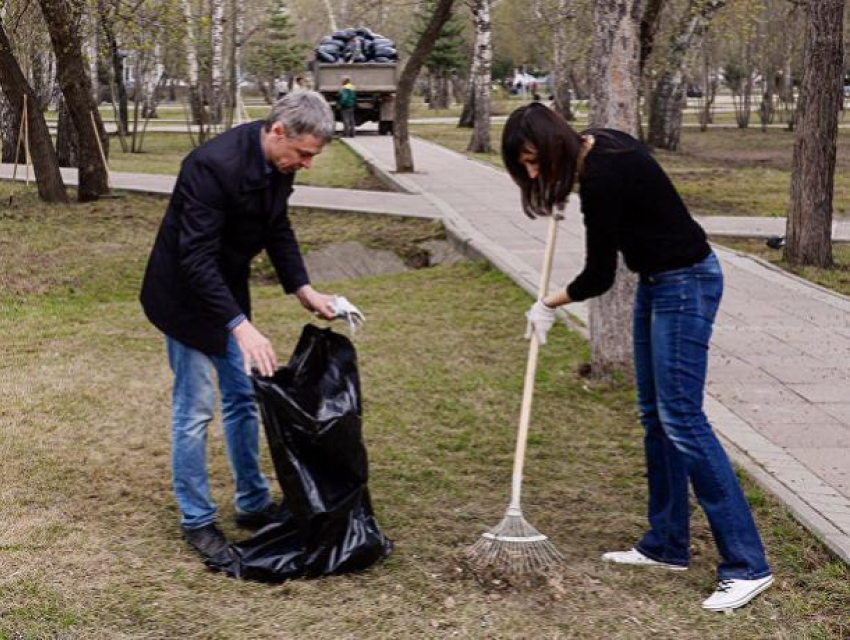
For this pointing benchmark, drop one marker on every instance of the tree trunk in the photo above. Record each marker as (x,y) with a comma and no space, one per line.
(216,61)
(480,141)
(401,134)
(92,53)
(10,124)
(193,72)
(238,55)
(118,88)
(66,137)
(15,87)
(665,114)
(614,80)
(467,116)
(649,23)
(560,66)
(809,225)
(76,88)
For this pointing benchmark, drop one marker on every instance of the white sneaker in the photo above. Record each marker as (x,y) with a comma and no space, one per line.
(635,557)
(732,594)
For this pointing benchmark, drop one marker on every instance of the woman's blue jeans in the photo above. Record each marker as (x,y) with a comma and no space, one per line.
(193,404)
(673,319)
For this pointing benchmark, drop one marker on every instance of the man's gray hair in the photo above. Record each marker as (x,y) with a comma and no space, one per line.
(303,113)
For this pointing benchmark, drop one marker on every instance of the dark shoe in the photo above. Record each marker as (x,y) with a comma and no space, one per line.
(258,519)
(208,540)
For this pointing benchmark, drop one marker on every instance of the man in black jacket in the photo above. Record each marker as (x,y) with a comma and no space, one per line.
(229,203)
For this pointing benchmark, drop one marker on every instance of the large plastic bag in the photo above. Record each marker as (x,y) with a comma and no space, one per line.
(312,411)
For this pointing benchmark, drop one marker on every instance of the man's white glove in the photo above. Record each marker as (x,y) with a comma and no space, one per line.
(342,308)
(540,319)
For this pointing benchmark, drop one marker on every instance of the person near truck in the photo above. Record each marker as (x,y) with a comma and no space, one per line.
(629,205)
(347,102)
(229,203)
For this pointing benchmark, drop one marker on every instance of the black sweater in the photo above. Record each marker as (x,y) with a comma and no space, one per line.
(630,205)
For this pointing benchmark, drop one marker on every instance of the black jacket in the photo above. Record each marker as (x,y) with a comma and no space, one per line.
(630,205)
(224,210)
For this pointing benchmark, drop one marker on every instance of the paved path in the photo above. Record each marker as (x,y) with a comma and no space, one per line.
(385,202)
(779,379)
(779,383)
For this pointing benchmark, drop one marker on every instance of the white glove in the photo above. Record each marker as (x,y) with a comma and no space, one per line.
(342,308)
(540,319)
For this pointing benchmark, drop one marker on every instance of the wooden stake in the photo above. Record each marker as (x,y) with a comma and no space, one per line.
(18,150)
(100,147)
(26,140)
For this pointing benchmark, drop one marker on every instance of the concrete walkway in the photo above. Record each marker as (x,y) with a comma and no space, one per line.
(779,383)
(779,380)
(383,202)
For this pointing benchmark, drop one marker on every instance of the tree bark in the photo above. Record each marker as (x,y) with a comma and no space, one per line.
(216,60)
(614,80)
(118,88)
(15,87)
(195,102)
(467,115)
(809,224)
(480,140)
(665,114)
(401,132)
(76,87)
(560,65)
(10,124)
(649,23)
(66,137)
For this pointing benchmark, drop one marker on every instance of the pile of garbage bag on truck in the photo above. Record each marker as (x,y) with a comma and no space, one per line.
(356,46)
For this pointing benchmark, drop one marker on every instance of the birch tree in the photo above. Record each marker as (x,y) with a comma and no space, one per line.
(614,86)
(216,60)
(196,110)
(667,100)
(481,80)
(809,224)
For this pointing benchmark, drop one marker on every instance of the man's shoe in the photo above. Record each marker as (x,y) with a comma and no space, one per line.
(258,519)
(732,594)
(636,558)
(208,540)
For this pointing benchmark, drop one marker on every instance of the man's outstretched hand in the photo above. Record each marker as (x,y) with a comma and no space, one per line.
(257,351)
(319,303)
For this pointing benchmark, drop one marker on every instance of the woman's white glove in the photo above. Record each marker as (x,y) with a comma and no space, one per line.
(342,308)
(541,317)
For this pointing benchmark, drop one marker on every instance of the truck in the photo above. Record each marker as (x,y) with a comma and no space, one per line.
(375,84)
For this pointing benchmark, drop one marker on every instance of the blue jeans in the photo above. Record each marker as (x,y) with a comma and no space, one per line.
(193,403)
(673,320)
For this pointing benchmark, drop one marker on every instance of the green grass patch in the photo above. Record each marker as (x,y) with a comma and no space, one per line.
(90,544)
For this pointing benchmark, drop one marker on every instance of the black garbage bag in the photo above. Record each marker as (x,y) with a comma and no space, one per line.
(323,55)
(311,410)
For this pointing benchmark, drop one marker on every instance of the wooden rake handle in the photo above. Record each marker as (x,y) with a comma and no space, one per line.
(530,371)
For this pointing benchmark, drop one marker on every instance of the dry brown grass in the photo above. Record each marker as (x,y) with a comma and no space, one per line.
(89,535)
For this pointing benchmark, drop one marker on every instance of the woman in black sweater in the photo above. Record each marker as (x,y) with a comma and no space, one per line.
(630,206)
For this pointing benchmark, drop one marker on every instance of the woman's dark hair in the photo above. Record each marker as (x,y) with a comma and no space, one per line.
(535,127)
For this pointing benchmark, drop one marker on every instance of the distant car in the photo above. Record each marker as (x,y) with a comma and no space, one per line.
(693,92)
(847,90)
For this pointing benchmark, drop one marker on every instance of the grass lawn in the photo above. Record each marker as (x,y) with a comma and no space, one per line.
(337,166)
(730,172)
(89,542)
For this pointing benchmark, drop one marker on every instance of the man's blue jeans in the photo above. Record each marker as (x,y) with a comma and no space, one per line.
(193,404)
(673,320)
